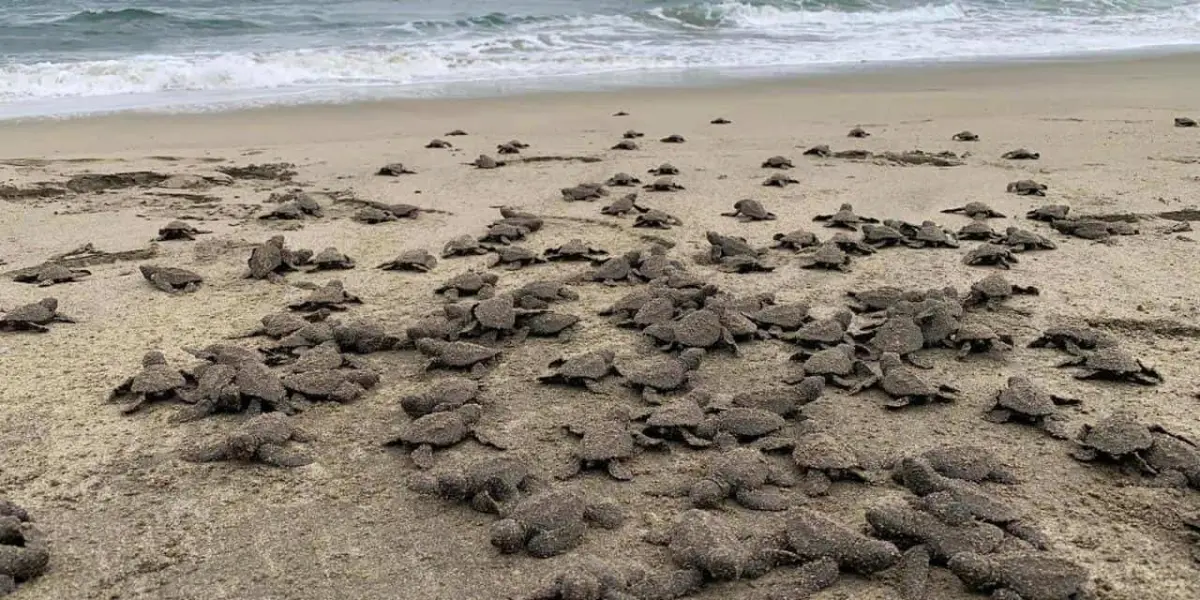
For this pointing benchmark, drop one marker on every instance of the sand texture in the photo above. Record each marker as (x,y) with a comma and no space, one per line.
(125,517)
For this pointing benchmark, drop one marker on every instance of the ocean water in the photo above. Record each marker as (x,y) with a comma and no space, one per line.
(73,56)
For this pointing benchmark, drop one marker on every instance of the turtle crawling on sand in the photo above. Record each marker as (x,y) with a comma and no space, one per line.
(622,179)
(1022,400)
(823,459)
(585,370)
(1049,213)
(827,256)
(263,438)
(48,274)
(331,259)
(178,230)
(976,210)
(552,522)
(978,338)
(331,296)
(489,485)
(978,230)
(745,475)
(1075,341)
(1022,576)
(606,444)
(674,138)
(779,180)
(844,218)
(991,254)
(395,170)
(777,162)
(575,249)
(272,258)
(750,210)
(858,132)
(463,245)
(34,317)
(513,257)
(484,161)
(1021,154)
(1027,187)
(965,136)
(440,430)
(456,355)
(657,219)
(796,240)
(623,206)
(470,283)
(626,144)
(1185,122)
(1113,364)
(663,184)
(156,381)
(904,386)
(661,374)
(664,170)
(171,279)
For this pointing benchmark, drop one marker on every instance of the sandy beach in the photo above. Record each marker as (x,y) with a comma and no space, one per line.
(125,517)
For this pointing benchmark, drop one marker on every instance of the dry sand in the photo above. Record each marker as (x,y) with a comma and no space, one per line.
(126,518)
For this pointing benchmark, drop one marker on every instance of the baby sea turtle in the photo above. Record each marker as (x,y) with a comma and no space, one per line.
(541,293)
(1049,213)
(796,240)
(605,444)
(263,438)
(1023,400)
(331,296)
(744,264)
(585,370)
(272,258)
(1115,437)
(778,162)
(850,245)
(1073,340)
(584,192)
(623,206)
(48,274)
(826,256)
(1185,122)
(657,219)
(716,549)
(882,236)
(844,218)
(979,230)
(632,135)
(905,386)
(1027,187)
(622,180)
(1021,154)
(373,216)
(674,138)
(721,246)
(24,553)
(899,334)
(447,394)
(779,180)
(484,161)
(552,522)
(720,121)
(664,170)
(575,249)
(745,475)
(438,143)
(1092,229)
(490,485)
(504,233)
(932,235)
(663,184)
(513,257)
(994,289)
(1022,576)
(661,374)
(965,136)
(394,170)
(821,150)
(822,333)
(1114,364)
(978,338)
(455,132)
(698,329)
(456,355)
(858,132)
(331,259)
(812,536)
(511,147)
(909,525)
(440,430)
(1022,240)
(471,283)
(991,254)
(976,210)
(626,144)
(156,381)
(749,210)
(178,230)
(836,366)
(34,317)
(822,459)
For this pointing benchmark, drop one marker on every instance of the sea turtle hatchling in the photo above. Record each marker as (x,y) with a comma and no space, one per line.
(156,381)
(698,329)
(463,245)
(447,394)
(994,289)
(1073,340)
(750,210)
(674,138)
(661,374)
(978,338)
(903,385)
(488,485)
(777,162)
(744,264)
(513,257)
(541,293)
(844,218)
(331,296)
(657,219)
(484,161)
(664,170)
(822,333)
(836,366)
(331,259)
(171,279)
(456,355)
(965,136)
(586,370)
(826,256)
(1116,437)
(623,206)
(720,121)
(1027,187)
(1022,576)
(606,444)
(395,170)
(1185,122)
(823,459)
(48,274)
(779,180)
(552,522)
(932,235)
(454,132)
(882,236)
(796,240)
(976,210)
(1049,213)
(850,245)
(436,143)
(513,147)
(978,230)
(1113,364)
(745,475)
(575,249)
(626,144)
(263,438)
(1093,229)
(440,430)
(899,334)
(1023,400)
(1021,154)
(371,215)
(178,230)
(992,255)
(663,184)
(632,134)
(858,132)
(504,234)
(584,192)
(1023,240)
(470,283)
(622,179)
(272,258)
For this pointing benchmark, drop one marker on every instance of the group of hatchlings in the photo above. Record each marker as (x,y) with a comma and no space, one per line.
(879,340)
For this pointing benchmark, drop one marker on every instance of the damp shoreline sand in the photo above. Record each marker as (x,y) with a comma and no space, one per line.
(126,517)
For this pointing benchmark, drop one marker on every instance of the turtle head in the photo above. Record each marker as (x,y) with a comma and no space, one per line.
(51,304)
(713,237)
(846,206)
(508,536)
(691,357)
(154,358)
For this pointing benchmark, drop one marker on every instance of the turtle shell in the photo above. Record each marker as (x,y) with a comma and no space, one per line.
(899,334)
(823,452)
(436,429)
(606,441)
(838,361)
(684,412)
(748,422)
(1117,435)
(1024,396)
(496,313)
(1112,359)
(699,329)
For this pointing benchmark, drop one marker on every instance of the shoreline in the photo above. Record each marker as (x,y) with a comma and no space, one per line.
(709,78)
